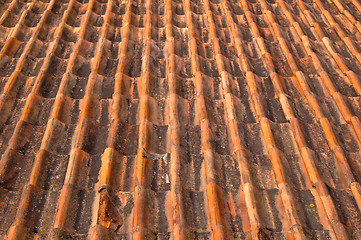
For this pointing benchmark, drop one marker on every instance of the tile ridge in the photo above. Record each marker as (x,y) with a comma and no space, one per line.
(7,11)
(15,31)
(239,152)
(288,199)
(78,156)
(179,223)
(105,184)
(214,197)
(8,95)
(330,208)
(18,229)
(142,162)
(329,134)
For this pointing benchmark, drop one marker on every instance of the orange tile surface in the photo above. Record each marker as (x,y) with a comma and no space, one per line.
(180,119)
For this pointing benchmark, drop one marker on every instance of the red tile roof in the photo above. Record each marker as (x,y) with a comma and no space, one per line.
(180,119)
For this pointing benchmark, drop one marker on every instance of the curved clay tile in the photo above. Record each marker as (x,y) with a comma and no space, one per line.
(180,119)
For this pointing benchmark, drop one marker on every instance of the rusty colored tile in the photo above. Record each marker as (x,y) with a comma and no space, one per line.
(180,119)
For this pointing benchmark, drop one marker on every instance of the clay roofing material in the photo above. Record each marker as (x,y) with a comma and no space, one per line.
(180,119)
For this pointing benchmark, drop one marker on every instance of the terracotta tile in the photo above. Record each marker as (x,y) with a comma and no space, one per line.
(180,119)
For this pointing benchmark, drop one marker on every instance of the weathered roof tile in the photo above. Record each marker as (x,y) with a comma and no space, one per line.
(177,119)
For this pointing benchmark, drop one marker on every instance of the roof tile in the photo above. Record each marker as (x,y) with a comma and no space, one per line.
(172,119)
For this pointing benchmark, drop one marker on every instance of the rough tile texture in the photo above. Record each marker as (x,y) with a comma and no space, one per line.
(180,119)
